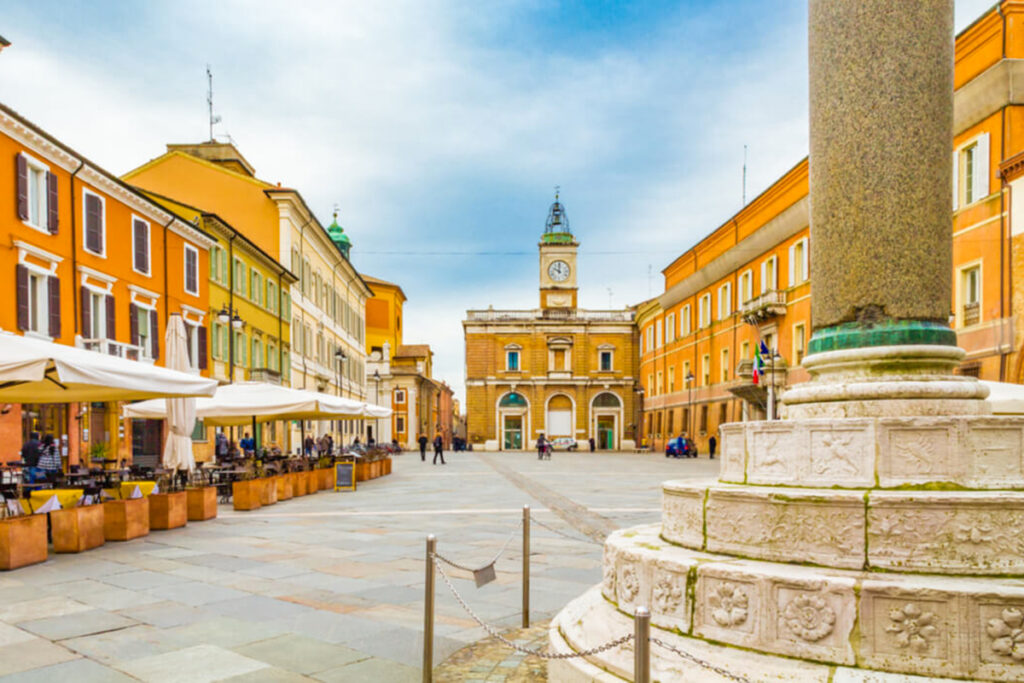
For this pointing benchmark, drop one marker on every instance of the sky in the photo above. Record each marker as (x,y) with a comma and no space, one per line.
(441,127)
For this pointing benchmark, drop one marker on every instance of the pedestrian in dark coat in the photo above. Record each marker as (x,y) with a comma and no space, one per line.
(438,449)
(712,442)
(541,447)
(423,447)
(593,445)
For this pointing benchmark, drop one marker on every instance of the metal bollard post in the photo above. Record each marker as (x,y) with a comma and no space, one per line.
(526,566)
(428,613)
(642,646)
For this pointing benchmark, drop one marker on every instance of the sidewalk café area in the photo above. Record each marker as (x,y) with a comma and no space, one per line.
(71,508)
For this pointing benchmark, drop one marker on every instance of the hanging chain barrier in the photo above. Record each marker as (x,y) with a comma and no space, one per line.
(471,570)
(495,633)
(581,539)
(700,662)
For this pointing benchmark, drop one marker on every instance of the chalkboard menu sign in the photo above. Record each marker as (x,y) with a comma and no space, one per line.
(345,476)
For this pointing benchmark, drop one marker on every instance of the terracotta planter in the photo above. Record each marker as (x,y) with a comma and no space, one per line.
(246,494)
(387,466)
(312,481)
(268,492)
(300,483)
(374,469)
(168,510)
(327,479)
(124,520)
(283,483)
(202,503)
(22,541)
(77,529)
(362,470)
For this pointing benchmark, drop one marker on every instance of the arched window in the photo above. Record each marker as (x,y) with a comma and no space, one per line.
(512,400)
(560,402)
(607,400)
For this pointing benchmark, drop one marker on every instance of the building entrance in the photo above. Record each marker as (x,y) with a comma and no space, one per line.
(606,432)
(513,430)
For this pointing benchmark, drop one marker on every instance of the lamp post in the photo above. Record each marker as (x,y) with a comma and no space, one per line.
(639,432)
(339,357)
(689,383)
(228,315)
(376,400)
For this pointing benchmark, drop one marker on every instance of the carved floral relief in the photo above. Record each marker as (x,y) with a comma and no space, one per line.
(912,628)
(629,583)
(1006,634)
(668,593)
(809,617)
(728,604)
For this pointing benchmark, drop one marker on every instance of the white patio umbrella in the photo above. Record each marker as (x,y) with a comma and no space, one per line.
(242,402)
(375,412)
(181,412)
(38,371)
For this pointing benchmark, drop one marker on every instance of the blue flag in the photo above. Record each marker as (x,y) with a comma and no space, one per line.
(764,350)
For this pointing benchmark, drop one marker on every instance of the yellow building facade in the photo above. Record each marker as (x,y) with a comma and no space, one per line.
(558,370)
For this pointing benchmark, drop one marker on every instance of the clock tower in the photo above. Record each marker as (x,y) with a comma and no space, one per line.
(557,261)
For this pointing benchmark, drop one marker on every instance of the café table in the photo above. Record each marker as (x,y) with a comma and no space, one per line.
(68,498)
(225,478)
(127,487)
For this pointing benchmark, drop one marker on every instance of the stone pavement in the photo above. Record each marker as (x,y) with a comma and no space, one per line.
(327,587)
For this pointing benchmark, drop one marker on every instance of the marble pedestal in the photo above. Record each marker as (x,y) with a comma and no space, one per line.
(887,546)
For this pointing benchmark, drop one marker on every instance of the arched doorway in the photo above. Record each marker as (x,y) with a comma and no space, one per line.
(513,421)
(559,417)
(606,420)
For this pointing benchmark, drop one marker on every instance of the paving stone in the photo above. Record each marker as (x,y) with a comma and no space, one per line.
(300,654)
(225,632)
(166,614)
(78,624)
(113,647)
(9,635)
(372,671)
(31,654)
(40,609)
(73,671)
(197,664)
(268,675)
(196,593)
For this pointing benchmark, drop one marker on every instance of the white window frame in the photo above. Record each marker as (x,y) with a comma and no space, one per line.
(192,339)
(101,318)
(611,360)
(746,292)
(723,361)
(103,223)
(686,321)
(799,342)
(149,245)
(725,301)
(41,301)
(961,292)
(797,277)
(650,337)
(744,350)
(658,336)
(670,328)
(400,424)
(704,311)
(184,265)
(774,261)
(979,171)
(508,358)
(41,202)
(144,312)
(400,396)
(705,370)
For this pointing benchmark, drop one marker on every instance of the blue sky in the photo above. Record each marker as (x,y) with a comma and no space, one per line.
(440,127)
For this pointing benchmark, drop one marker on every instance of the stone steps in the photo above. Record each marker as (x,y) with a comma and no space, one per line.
(924,625)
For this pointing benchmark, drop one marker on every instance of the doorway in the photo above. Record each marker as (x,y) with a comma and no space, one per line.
(512,429)
(606,432)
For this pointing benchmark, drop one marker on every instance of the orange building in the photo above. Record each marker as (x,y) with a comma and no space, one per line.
(750,279)
(95,264)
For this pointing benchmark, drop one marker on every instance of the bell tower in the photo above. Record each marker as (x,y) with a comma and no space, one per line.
(558,250)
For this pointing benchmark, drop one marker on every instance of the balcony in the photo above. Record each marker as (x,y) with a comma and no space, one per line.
(767,305)
(971,314)
(265,375)
(491,315)
(115,348)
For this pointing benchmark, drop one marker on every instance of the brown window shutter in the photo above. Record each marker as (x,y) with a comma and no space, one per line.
(21,164)
(86,314)
(52,217)
(22,296)
(154,333)
(93,223)
(133,318)
(54,287)
(201,346)
(188,343)
(141,247)
(111,320)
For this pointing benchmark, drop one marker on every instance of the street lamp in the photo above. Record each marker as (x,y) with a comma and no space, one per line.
(228,315)
(339,357)
(639,431)
(689,381)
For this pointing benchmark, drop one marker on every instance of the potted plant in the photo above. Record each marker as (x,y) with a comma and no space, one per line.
(169,508)
(78,528)
(201,500)
(22,541)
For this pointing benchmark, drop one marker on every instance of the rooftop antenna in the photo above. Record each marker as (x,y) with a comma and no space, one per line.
(744,175)
(209,100)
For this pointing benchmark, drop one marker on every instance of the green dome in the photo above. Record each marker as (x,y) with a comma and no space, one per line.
(338,236)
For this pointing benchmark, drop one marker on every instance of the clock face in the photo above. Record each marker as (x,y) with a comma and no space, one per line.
(558,271)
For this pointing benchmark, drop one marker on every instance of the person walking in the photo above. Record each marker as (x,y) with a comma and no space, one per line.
(438,449)
(30,453)
(712,442)
(221,441)
(541,447)
(593,445)
(49,457)
(423,447)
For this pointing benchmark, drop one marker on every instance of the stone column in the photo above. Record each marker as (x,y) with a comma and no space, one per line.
(881,131)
